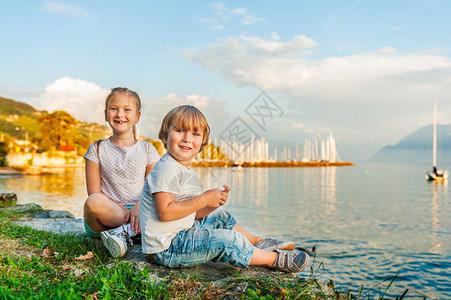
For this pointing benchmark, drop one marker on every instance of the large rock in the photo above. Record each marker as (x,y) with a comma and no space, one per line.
(61,225)
(62,222)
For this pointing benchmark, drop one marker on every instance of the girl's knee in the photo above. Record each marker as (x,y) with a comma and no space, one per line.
(95,202)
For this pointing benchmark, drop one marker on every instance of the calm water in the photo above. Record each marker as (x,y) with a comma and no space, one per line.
(367,221)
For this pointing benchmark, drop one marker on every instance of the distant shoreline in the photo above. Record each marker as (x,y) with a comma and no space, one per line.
(271,164)
(38,170)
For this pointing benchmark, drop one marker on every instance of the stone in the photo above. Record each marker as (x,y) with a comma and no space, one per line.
(61,214)
(52,214)
(8,199)
(25,207)
(61,225)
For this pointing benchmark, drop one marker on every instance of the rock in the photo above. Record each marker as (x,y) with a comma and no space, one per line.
(8,199)
(61,225)
(52,214)
(216,272)
(62,222)
(25,207)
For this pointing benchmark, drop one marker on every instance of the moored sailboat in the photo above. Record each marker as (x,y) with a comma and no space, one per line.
(435,174)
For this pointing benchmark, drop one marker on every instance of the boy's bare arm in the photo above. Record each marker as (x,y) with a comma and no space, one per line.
(168,209)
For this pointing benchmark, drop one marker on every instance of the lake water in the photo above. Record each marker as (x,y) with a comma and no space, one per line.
(368,221)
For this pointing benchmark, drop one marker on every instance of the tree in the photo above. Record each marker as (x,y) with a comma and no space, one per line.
(56,129)
(3,153)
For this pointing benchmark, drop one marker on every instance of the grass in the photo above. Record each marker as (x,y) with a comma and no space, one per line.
(41,265)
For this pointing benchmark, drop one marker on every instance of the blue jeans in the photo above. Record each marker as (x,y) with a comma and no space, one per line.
(210,239)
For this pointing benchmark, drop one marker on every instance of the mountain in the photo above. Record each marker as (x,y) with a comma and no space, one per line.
(417,147)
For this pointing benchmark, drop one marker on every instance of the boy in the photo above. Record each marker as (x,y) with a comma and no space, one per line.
(183,226)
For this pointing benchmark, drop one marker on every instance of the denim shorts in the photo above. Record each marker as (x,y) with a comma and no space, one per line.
(210,239)
(94,234)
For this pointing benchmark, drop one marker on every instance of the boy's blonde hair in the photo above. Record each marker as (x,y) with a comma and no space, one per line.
(185,117)
(121,90)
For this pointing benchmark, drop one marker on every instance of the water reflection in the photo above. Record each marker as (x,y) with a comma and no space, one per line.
(325,181)
(367,220)
(439,192)
(64,191)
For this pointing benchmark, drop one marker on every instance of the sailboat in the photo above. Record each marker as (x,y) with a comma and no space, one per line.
(435,175)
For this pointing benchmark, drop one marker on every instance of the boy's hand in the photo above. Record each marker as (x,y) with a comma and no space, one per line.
(216,197)
(225,193)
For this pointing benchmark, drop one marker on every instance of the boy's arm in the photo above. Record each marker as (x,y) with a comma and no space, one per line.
(202,213)
(168,209)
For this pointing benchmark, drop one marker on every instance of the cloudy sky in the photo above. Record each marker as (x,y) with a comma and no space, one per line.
(367,71)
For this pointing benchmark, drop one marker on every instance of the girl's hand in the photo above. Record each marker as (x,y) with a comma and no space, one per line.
(133,218)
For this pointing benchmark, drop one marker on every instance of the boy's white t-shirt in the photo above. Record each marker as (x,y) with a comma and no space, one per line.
(123,169)
(169,176)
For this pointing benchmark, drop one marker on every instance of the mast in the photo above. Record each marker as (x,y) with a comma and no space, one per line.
(434,139)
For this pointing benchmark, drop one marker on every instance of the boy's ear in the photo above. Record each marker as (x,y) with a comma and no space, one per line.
(164,141)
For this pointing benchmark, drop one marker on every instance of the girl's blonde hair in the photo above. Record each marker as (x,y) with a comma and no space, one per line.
(121,90)
(185,117)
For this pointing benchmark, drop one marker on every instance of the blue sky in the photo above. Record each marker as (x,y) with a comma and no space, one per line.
(367,71)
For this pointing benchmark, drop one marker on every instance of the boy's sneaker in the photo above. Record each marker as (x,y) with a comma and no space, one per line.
(291,261)
(269,244)
(115,240)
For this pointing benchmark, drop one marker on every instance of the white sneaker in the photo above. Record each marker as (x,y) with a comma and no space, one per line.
(114,242)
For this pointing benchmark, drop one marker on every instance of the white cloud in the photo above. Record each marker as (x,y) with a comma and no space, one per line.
(82,99)
(386,94)
(66,10)
(250,20)
(224,15)
(273,65)
(239,11)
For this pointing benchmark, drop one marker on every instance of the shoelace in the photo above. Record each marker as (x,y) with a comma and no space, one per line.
(123,234)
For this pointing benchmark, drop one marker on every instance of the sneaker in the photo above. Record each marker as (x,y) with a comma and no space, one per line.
(115,240)
(291,261)
(269,244)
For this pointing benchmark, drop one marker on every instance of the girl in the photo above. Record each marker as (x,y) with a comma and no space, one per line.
(115,172)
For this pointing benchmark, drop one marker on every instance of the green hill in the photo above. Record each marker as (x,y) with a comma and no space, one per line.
(11,107)
(19,120)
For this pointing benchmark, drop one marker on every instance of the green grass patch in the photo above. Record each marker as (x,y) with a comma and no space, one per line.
(41,265)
